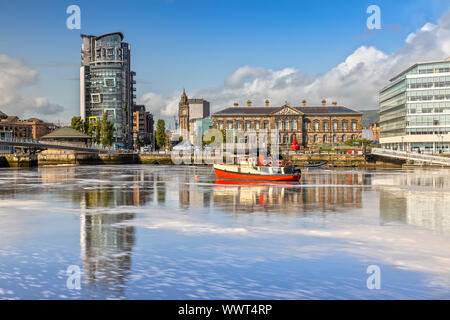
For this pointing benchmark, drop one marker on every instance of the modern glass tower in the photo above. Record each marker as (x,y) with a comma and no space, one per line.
(415,109)
(106,84)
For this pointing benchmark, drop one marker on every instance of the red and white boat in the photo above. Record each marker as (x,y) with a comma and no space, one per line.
(258,169)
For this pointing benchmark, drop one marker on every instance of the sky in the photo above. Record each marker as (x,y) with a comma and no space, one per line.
(224,51)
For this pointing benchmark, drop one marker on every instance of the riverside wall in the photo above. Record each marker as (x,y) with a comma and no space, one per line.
(333,160)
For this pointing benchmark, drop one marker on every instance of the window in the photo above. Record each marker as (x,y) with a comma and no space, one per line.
(325,126)
(334,138)
(306,125)
(229,125)
(354,125)
(247,125)
(316,139)
(344,138)
(286,138)
(96,98)
(353,137)
(109,82)
(266,124)
(257,125)
(325,139)
(279,125)
(344,125)
(286,124)
(294,124)
(335,125)
(239,125)
(316,125)
(220,125)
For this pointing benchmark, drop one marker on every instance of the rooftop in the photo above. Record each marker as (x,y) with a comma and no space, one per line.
(66,132)
(331,110)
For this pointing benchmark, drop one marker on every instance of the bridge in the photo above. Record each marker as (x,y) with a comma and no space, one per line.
(39,145)
(413,156)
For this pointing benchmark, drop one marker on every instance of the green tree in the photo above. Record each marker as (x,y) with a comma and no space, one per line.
(107,131)
(160,133)
(77,124)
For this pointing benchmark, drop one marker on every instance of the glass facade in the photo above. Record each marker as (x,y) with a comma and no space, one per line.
(417,103)
(107,84)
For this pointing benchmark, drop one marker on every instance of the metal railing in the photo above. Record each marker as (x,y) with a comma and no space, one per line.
(32,143)
(414,156)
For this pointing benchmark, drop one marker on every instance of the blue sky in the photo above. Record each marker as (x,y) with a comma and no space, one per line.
(197,44)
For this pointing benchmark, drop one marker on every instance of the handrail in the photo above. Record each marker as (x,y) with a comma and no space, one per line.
(411,155)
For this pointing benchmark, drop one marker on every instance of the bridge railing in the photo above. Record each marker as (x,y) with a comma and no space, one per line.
(47,143)
(411,155)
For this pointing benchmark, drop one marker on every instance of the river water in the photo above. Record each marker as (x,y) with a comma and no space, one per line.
(168,232)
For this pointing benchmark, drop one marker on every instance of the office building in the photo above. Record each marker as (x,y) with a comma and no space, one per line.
(415,109)
(107,84)
(142,124)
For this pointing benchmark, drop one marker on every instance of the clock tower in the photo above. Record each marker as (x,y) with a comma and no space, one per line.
(183,115)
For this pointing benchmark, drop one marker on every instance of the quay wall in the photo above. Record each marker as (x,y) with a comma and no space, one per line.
(334,160)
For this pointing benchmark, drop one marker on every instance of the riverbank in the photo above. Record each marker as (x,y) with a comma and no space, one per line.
(333,160)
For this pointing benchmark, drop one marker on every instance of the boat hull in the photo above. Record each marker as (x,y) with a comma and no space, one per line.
(223,174)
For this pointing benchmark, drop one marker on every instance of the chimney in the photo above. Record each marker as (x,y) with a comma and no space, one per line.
(236,104)
(324,102)
(249,103)
(304,103)
(267,103)
(334,103)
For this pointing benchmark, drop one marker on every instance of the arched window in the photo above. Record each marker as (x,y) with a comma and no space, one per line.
(325,126)
(354,125)
(353,137)
(344,138)
(292,138)
(344,125)
(335,125)
(325,139)
(334,138)
(306,125)
(316,125)
(316,138)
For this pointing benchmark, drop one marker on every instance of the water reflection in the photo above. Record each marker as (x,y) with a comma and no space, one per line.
(420,198)
(193,228)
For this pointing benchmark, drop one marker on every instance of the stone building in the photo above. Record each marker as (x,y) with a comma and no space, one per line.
(312,125)
(32,128)
(190,110)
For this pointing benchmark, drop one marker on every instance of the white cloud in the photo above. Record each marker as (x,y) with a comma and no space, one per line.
(354,83)
(14,76)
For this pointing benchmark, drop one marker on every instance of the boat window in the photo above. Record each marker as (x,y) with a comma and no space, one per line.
(265,169)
